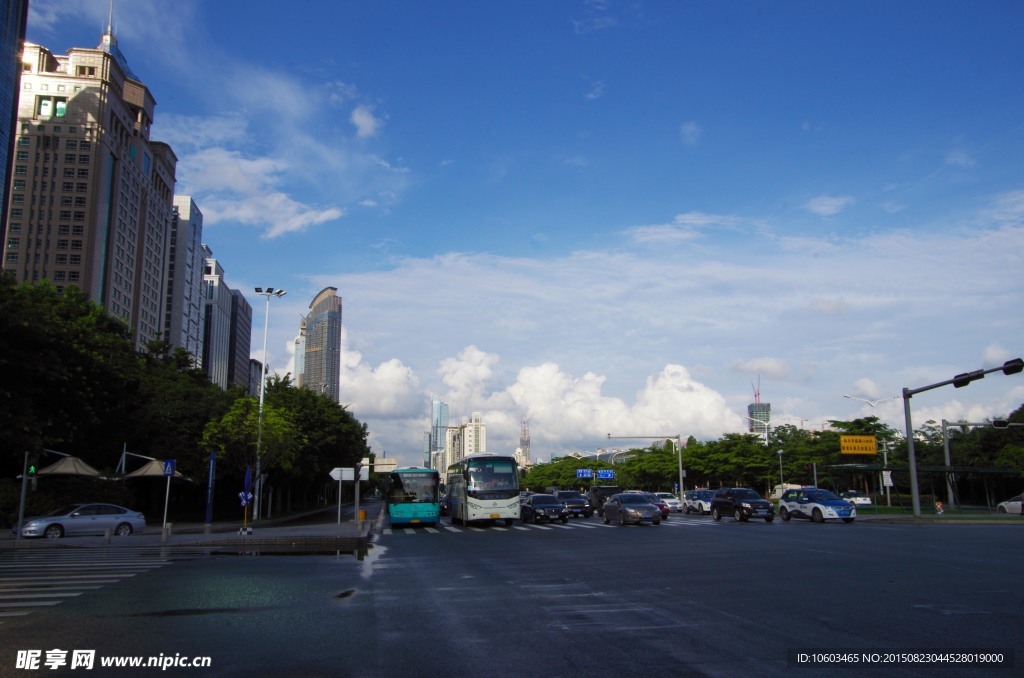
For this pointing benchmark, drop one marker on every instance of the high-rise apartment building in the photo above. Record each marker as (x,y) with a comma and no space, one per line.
(13,21)
(321,369)
(90,193)
(185,299)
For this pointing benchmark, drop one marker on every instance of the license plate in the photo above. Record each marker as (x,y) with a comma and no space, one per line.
(495,515)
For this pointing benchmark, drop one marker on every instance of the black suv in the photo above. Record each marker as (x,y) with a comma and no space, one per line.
(742,503)
(598,494)
(576,503)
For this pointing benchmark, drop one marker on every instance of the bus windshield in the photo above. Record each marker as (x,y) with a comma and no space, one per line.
(492,476)
(413,488)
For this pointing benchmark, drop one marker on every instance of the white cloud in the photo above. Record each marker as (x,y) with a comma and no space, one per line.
(366,123)
(690,132)
(828,205)
(773,368)
(960,158)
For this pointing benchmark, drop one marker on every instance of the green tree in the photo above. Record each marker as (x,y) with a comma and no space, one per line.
(239,436)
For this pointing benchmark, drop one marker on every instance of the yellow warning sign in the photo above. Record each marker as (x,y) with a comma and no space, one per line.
(858,445)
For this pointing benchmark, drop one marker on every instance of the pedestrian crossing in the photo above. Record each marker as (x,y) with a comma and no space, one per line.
(576,524)
(43,578)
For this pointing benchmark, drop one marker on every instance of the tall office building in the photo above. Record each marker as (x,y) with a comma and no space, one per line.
(216,322)
(185,301)
(759,417)
(438,425)
(90,193)
(240,345)
(12,37)
(321,370)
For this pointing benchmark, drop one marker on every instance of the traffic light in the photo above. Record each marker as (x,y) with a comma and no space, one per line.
(1000,423)
(1013,366)
(964,379)
(33,464)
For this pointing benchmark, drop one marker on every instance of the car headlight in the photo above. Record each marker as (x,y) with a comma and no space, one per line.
(746,505)
(632,512)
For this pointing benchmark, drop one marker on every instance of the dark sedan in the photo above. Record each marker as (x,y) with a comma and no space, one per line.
(630,508)
(538,507)
(577,504)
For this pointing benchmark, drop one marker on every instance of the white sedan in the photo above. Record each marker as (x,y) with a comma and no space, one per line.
(856,498)
(1011,506)
(671,500)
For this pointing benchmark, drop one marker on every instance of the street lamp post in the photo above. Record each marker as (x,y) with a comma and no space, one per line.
(782,482)
(1014,366)
(764,422)
(268,293)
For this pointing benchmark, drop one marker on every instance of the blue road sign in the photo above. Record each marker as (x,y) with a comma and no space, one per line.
(584,473)
(605,474)
(169,467)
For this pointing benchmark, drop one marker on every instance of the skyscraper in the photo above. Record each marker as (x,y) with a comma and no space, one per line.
(240,344)
(321,370)
(438,425)
(90,193)
(12,35)
(185,305)
(216,322)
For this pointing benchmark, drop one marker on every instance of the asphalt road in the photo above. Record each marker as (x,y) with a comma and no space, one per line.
(687,598)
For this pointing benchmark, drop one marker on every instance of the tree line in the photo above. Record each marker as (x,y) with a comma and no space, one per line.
(71,381)
(987,463)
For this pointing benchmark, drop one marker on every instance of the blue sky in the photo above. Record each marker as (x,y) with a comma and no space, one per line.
(606,217)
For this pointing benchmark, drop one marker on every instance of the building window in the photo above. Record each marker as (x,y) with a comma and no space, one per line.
(13,243)
(69,158)
(67,187)
(65,201)
(20,171)
(60,259)
(79,201)
(65,215)
(62,244)
(71,144)
(83,173)
(83,159)
(18,198)
(69,173)
(78,230)
(79,215)
(15,228)
(82,187)
(74,276)
(22,156)
(16,213)
(84,145)
(19,184)
(76,244)
(59,275)
(12,257)
(63,229)
(47,106)
(85,71)
(76,259)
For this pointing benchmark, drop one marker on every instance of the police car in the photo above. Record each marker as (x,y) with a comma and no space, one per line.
(816,505)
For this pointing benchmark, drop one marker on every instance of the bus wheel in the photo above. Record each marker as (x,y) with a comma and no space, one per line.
(508,522)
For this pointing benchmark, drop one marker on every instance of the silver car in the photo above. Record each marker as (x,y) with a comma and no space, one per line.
(84,519)
(630,507)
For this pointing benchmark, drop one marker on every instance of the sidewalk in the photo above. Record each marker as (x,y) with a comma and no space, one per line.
(266,533)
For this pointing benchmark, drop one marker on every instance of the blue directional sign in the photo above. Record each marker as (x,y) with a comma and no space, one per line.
(605,474)
(169,467)
(584,473)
